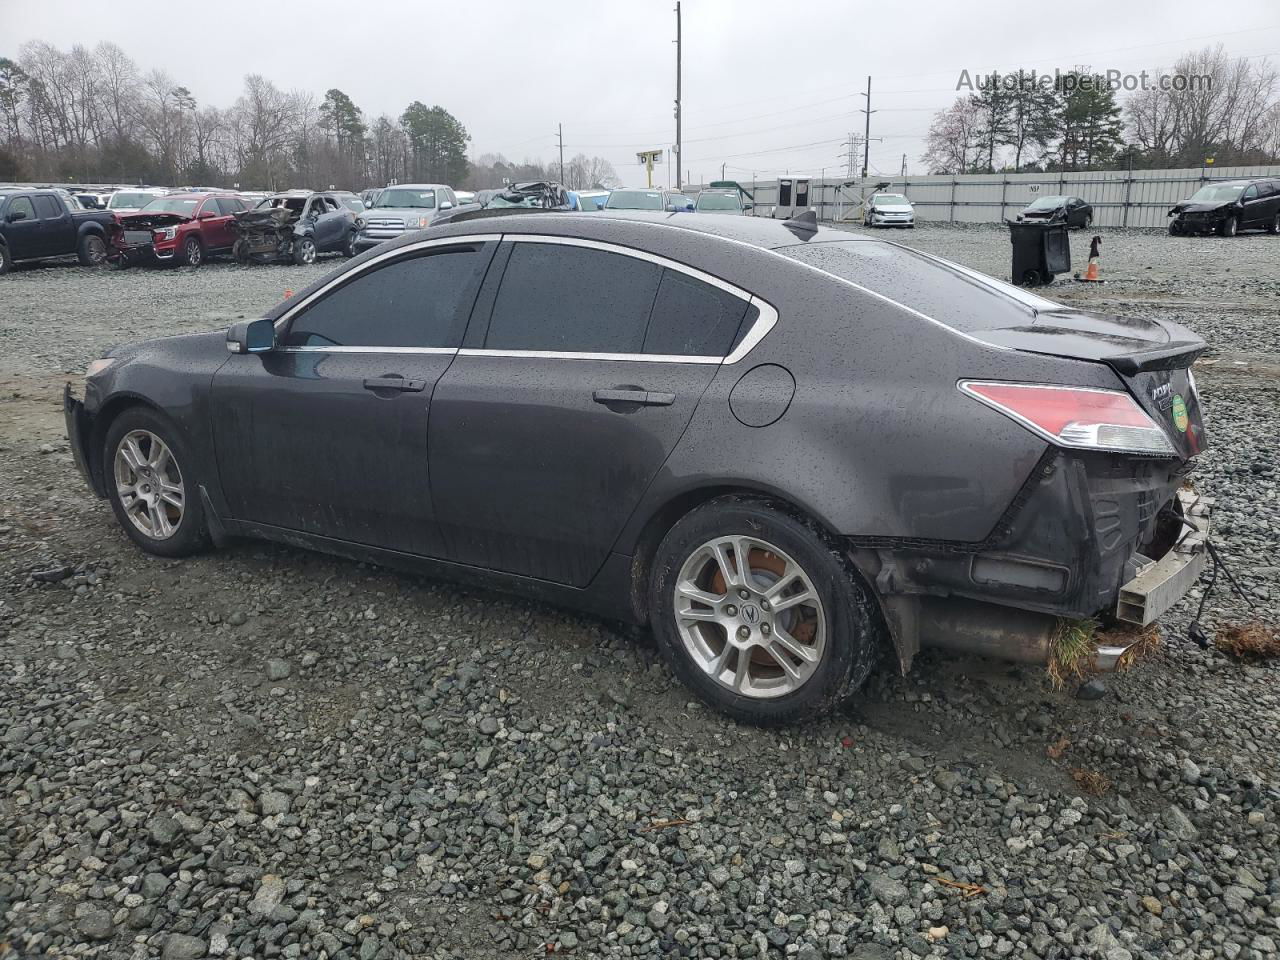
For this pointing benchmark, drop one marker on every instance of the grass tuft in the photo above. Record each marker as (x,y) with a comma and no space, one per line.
(1071,651)
(1090,781)
(1248,641)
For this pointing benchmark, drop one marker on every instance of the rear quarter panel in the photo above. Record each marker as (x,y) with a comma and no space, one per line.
(877,441)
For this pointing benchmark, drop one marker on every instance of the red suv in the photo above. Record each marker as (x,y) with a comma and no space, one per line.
(183,228)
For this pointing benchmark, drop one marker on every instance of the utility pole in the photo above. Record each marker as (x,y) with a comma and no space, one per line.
(866,136)
(679,144)
(722,171)
(560,127)
(904,164)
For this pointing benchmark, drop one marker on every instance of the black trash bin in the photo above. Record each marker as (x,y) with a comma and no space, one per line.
(1040,251)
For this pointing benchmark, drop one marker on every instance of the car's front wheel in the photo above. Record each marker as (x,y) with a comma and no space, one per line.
(151,486)
(757,611)
(193,252)
(349,248)
(1230,227)
(6,262)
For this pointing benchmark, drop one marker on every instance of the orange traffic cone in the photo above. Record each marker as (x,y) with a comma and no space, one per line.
(1091,273)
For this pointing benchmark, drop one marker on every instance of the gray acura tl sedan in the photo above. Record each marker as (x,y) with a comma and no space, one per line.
(786,449)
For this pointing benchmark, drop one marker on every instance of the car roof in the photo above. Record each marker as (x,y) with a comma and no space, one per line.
(759,232)
(414,186)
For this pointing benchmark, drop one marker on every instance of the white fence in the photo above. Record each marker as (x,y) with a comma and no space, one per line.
(1120,198)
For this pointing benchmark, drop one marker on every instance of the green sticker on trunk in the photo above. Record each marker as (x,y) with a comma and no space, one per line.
(1180,413)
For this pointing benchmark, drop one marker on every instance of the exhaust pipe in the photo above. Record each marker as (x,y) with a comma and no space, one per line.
(987,630)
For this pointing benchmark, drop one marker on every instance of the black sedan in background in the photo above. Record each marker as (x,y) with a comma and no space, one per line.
(789,450)
(1070,210)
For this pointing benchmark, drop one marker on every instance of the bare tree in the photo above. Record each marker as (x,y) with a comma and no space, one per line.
(952,142)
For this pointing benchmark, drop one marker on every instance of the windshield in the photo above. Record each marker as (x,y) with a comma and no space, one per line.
(1047,203)
(634,200)
(352,203)
(946,292)
(890,200)
(406,199)
(718,201)
(1217,193)
(121,199)
(183,205)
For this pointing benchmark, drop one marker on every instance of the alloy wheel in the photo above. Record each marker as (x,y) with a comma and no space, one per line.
(307,250)
(96,250)
(149,484)
(750,616)
(194,253)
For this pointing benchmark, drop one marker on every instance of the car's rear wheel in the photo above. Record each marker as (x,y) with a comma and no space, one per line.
(1088,221)
(757,612)
(92,251)
(1230,227)
(193,252)
(304,251)
(1274,225)
(150,484)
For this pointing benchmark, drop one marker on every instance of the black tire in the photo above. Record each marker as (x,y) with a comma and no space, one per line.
(1229,227)
(853,630)
(240,252)
(1273,227)
(349,248)
(192,252)
(92,250)
(304,251)
(1175,228)
(6,261)
(1088,221)
(190,534)
(1031,278)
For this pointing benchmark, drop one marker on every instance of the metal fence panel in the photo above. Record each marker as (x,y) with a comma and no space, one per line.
(1120,198)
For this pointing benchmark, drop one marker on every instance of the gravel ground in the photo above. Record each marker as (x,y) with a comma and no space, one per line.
(269,753)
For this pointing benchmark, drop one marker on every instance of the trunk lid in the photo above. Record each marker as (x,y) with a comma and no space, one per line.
(1152,357)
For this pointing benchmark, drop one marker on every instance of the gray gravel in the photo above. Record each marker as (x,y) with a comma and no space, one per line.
(268,753)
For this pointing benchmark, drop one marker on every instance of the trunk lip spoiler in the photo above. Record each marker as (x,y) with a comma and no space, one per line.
(1169,356)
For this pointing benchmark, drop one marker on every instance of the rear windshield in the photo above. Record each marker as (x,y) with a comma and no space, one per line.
(634,200)
(183,205)
(718,201)
(961,298)
(123,199)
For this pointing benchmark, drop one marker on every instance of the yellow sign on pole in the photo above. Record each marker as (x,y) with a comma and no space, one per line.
(649,158)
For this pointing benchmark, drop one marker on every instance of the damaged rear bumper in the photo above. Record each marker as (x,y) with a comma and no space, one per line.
(1103,537)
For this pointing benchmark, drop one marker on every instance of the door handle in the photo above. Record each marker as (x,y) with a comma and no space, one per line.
(642,397)
(395,383)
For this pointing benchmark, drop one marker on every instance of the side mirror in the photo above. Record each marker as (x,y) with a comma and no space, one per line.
(446,205)
(251,336)
(17,215)
(206,215)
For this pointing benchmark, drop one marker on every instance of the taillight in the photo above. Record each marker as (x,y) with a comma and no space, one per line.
(1080,417)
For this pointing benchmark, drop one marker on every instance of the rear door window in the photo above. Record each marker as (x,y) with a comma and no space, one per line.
(421,301)
(569,299)
(48,207)
(692,318)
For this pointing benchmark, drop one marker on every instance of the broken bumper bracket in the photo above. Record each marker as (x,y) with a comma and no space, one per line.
(1162,583)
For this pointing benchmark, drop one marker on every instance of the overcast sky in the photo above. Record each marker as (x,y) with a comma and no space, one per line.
(768,86)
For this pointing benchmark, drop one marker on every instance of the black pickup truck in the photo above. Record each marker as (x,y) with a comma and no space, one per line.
(38,225)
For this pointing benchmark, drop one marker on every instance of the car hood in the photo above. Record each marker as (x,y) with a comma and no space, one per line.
(1042,212)
(403,212)
(892,208)
(142,220)
(1188,207)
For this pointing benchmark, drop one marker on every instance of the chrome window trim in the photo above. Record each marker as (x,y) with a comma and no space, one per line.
(765,322)
(349,349)
(569,355)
